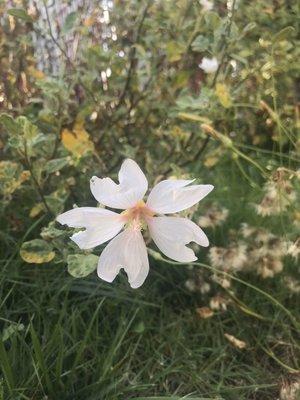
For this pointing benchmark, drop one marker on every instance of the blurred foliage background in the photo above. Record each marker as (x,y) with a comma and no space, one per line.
(202,89)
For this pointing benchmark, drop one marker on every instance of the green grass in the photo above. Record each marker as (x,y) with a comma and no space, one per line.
(85,339)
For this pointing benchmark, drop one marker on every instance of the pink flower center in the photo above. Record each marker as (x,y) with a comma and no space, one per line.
(137,216)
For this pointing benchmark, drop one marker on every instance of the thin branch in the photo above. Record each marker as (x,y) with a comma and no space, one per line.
(225,44)
(132,56)
(35,181)
(55,41)
(62,50)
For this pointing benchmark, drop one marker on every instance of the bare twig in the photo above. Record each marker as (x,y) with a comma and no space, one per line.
(55,41)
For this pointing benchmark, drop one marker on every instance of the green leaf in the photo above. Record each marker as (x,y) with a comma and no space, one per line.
(69,22)
(139,327)
(9,124)
(56,200)
(56,164)
(81,265)
(37,251)
(249,27)
(20,13)
(212,20)
(42,145)
(21,130)
(186,102)
(50,232)
(220,32)
(11,330)
(30,131)
(16,142)
(284,34)
(201,43)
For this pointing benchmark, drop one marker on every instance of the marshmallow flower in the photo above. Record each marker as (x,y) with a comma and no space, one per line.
(128,250)
(209,65)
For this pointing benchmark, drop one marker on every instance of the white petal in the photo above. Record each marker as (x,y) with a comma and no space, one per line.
(132,188)
(131,174)
(128,251)
(84,216)
(209,65)
(171,196)
(101,225)
(171,234)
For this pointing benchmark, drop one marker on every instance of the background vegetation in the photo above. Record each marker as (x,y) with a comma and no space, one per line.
(85,84)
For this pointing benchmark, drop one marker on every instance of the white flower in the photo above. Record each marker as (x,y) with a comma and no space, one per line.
(209,65)
(206,4)
(128,250)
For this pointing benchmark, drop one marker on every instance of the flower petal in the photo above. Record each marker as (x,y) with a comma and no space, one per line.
(171,234)
(171,196)
(128,251)
(132,188)
(101,225)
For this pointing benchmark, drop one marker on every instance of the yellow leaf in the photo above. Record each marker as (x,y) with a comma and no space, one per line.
(37,251)
(36,210)
(174,51)
(223,95)
(77,141)
(11,177)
